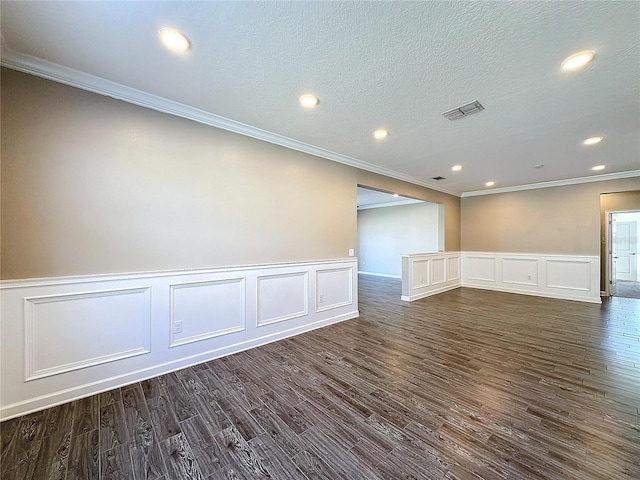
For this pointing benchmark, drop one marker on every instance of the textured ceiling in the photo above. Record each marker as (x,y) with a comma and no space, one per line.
(396,65)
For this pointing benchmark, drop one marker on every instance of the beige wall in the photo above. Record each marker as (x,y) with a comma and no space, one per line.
(562,220)
(451,203)
(94,185)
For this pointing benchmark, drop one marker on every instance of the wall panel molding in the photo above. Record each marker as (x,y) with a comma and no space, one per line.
(85,319)
(206,310)
(568,277)
(334,288)
(282,297)
(427,274)
(67,338)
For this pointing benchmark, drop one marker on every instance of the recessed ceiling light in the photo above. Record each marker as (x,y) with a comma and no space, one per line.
(599,167)
(592,140)
(174,40)
(456,168)
(577,60)
(308,101)
(540,165)
(380,134)
(490,184)
(396,195)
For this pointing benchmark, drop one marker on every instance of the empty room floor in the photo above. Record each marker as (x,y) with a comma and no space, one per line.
(465,384)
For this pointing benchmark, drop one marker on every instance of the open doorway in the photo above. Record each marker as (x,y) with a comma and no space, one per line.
(392,225)
(623,262)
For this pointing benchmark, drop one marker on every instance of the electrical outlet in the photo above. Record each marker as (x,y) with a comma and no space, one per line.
(529,277)
(177,326)
(352,252)
(320,298)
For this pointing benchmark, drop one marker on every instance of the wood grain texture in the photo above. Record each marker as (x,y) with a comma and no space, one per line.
(179,459)
(84,457)
(144,450)
(463,385)
(115,464)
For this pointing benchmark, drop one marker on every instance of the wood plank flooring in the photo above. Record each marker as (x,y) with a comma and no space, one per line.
(463,385)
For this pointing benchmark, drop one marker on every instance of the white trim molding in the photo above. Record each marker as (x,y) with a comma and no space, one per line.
(69,337)
(555,183)
(375,274)
(568,277)
(58,73)
(68,76)
(426,274)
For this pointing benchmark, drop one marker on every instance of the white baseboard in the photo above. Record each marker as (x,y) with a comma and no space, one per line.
(375,274)
(532,293)
(418,296)
(64,339)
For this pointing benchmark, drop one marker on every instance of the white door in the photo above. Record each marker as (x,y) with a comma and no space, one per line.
(625,244)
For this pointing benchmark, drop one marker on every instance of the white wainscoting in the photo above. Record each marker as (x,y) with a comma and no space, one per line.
(69,337)
(427,274)
(569,277)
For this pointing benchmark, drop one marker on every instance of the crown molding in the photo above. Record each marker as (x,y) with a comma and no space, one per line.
(68,76)
(555,183)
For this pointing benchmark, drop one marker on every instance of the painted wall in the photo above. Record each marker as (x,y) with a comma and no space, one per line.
(451,203)
(558,220)
(94,185)
(384,234)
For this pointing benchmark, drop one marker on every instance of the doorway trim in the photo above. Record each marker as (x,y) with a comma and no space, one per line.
(609,247)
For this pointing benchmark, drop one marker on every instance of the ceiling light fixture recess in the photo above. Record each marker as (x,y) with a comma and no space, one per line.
(456,168)
(308,101)
(490,184)
(174,40)
(577,60)
(380,134)
(598,167)
(593,140)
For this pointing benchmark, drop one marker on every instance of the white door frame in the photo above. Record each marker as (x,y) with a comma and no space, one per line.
(609,247)
(608,250)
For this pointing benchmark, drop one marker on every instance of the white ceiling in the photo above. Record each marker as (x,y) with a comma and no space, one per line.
(396,65)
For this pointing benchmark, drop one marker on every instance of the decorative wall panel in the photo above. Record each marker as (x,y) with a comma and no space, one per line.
(202,310)
(72,331)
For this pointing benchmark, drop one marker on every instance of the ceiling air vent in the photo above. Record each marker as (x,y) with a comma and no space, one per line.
(463,110)
(438,178)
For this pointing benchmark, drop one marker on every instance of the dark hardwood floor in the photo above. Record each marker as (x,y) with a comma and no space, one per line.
(466,384)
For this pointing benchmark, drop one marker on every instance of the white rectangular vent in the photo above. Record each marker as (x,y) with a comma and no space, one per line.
(463,110)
